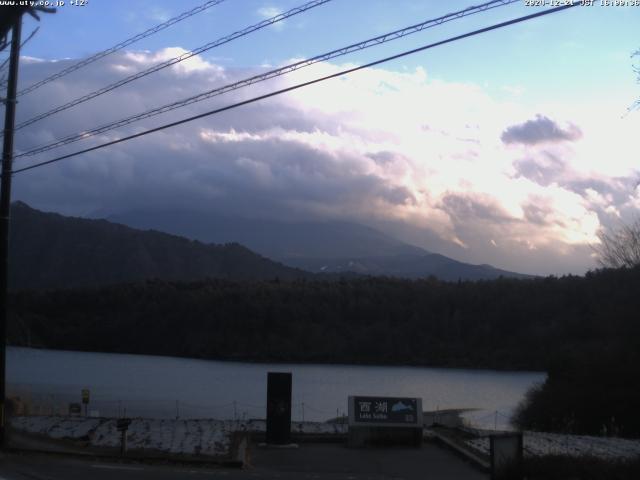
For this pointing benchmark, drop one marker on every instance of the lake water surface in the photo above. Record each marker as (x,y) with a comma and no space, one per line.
(152,386)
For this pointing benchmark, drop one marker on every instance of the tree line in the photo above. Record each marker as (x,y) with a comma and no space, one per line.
(582,330)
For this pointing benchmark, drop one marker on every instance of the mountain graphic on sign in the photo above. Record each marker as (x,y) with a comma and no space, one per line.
(401,407)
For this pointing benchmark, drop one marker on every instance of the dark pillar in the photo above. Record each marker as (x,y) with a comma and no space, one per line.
(5,207)
(278,408)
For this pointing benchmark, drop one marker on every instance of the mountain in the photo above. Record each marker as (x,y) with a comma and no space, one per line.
(318,247)
(272,238)
(406,266)
(48,250)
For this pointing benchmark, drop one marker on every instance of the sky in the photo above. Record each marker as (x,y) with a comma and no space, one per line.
(512,148)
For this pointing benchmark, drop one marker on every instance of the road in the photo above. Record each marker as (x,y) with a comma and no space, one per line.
(309,461)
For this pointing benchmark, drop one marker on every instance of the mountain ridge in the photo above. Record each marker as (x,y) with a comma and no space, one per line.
(275,239)
(406,266)
(318,247)
(49,250)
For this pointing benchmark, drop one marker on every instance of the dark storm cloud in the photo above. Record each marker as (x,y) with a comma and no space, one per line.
(540,130)
(178,165)
(253,176)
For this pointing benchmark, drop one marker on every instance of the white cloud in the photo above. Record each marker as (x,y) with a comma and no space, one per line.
(159,14)
(26,59)
(268,12)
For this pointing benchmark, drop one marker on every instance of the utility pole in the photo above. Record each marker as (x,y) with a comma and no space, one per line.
(5,207)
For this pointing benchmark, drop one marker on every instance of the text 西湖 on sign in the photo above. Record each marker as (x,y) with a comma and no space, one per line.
(385,410)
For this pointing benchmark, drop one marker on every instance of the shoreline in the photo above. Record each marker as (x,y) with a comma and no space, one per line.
(287,362)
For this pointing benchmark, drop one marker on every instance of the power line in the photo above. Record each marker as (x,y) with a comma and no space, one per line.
(125,43)
(4,64)
(268,75)
(221,41)
(300,85)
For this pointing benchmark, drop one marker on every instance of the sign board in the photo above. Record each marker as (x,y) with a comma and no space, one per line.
(85,395)
(506,456)
(75,409)
(385,411)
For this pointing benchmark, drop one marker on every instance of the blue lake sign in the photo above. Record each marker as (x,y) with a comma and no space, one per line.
(385,411)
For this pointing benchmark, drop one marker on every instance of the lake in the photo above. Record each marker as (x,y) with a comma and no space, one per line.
(163,387)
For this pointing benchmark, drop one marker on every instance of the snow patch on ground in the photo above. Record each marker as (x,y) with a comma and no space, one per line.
(213,437)
(538,444)
(193,437)
(74,428)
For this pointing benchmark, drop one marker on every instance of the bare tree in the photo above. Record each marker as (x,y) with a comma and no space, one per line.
(619,247)
(636,68)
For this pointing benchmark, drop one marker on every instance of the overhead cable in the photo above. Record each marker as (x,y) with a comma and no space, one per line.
(298,86)
(267,75)
(173,61)
(121,45)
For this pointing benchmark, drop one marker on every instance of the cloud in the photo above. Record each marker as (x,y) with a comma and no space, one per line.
(480,207)
(538,212)
(544,168)
(540,130)
(426,160)
(268,12)
(159,14)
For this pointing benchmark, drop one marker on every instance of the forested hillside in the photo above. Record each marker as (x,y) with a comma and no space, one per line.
(48,250)
(505,323)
